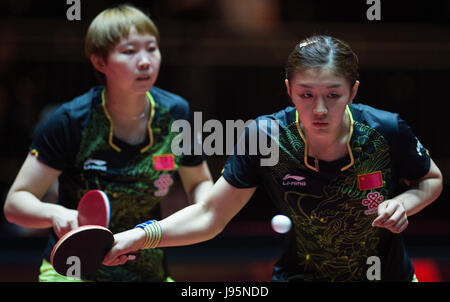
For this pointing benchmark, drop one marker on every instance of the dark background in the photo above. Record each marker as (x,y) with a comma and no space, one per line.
(226,57)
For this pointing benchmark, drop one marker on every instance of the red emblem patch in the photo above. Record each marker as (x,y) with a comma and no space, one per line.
(370,181)
(164,162)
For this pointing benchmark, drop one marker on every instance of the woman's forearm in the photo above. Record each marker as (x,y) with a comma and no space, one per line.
(422,192)
(193,224)
(190,225)
(421,195)
(24,209)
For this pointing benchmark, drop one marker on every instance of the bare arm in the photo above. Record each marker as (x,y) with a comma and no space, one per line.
(392,213)
(423,191)
(207,218)
(23,205)
(197,181)
(193,224)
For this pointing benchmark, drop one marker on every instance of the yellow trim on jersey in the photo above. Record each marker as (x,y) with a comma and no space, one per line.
(35,153)
(350,153)
(111,124)
(305,157)
(149,124)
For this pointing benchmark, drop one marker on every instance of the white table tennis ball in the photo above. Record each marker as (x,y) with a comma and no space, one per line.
(281,224)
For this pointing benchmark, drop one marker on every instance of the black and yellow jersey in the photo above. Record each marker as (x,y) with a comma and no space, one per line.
(332,209)
(78,140)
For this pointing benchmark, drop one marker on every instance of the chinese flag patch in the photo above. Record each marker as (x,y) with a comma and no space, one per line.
(164,162)
(370,181)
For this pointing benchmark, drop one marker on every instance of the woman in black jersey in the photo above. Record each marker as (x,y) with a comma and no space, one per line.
(337,178)
(116,138)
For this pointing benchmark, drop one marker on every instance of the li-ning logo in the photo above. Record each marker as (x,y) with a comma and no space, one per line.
(371,202)
(293,180)
(95,164)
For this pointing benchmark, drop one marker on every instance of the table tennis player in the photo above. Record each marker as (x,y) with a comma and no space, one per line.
(114,138)
(348,177)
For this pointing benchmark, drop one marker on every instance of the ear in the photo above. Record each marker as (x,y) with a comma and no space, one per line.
(98,62)
(286,81)
(354,91)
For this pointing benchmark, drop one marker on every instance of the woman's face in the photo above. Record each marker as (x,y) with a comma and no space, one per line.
(320,97)
(133,63)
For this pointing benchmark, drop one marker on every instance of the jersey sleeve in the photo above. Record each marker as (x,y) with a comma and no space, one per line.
(182,112)
(242,168)
(54,141)
(412,158)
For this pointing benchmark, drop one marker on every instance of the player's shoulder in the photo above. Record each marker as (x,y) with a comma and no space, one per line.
(176,104)
(283,117)
(77,110)
(378,119)
(82,104)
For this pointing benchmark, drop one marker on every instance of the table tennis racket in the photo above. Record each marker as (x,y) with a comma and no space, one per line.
(81,251)
(94,209)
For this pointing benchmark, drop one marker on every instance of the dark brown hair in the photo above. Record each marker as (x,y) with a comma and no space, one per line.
(323,52)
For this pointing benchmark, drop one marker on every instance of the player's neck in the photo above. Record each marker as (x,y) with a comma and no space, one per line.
(124,107)
(332,146)
(130,115)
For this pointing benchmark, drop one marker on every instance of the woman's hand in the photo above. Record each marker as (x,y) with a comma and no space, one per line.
(392,216)
(125,243)
(64,220)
